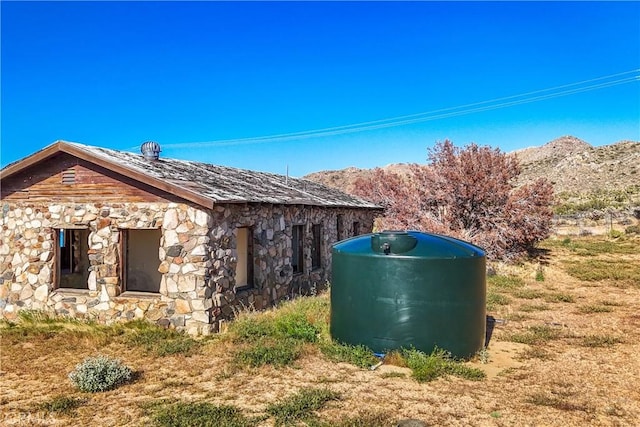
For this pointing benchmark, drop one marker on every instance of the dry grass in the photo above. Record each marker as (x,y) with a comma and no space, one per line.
(576,363)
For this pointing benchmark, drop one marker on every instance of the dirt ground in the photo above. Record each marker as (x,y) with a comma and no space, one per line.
(587,374)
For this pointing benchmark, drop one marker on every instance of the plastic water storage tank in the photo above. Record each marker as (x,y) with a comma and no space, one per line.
(399,289)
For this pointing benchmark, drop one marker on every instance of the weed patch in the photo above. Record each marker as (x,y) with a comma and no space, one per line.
(301,406)
(504,282)
(202,414)
(362,419)
(426,367)
(159,341)
(268,351)
(358,355)
(394,374)
(495,299)
(559,297)
(527,294)
(600,341)
(598,270)
(529,308)
(64,405)
(537,353)
(535,335)
(542,399)
(594,308)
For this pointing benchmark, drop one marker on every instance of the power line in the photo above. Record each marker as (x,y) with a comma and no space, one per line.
(492,104)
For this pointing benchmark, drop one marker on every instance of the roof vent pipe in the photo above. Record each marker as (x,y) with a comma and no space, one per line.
(150,150)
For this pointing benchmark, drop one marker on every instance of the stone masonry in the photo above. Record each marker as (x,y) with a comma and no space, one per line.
(197,258)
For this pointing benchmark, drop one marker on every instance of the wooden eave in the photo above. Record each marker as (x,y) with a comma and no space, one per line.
(63,147)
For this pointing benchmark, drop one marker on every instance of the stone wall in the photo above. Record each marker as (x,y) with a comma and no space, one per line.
(197,257)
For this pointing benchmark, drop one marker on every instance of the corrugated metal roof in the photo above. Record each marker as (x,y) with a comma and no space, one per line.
(219,184)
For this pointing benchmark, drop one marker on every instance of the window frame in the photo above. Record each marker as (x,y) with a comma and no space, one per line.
(248,262)
(297,248)
(316,246)
(123,258)
(57,256)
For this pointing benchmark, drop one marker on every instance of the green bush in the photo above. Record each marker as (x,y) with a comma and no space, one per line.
(100,373)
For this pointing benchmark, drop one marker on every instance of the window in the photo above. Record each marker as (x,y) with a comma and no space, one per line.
(340,227)
(297,247)
(244,267)
(316,246)
(356,228)
(140,260)
(72,259)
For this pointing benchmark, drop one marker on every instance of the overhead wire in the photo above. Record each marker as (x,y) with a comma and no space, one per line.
(441,113)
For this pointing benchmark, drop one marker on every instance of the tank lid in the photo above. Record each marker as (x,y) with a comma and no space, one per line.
(410,244)
(393,242)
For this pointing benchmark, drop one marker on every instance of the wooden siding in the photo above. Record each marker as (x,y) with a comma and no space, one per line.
(48,181)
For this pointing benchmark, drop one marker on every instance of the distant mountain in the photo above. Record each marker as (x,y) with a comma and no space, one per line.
(571,164)
(574,166)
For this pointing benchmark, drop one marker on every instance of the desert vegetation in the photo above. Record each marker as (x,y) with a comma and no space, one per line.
(563,351)
(467,193)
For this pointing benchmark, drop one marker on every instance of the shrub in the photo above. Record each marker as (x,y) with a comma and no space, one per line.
(467,193)
(100,373)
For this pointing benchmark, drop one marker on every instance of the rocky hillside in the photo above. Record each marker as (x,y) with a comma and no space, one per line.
(573,166)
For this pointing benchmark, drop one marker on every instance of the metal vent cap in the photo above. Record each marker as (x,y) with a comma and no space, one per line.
(150,150)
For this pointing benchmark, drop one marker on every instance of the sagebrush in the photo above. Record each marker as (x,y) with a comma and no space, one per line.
(100,373)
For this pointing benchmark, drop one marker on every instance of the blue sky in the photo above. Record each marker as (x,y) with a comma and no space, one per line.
(225,74)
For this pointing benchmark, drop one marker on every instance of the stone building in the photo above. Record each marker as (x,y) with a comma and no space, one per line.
(96,233)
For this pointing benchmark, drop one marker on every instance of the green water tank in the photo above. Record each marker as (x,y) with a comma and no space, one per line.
(398,289)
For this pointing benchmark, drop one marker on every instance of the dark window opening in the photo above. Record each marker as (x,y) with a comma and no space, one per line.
(297,247)
(72,259)
(356,228)
(340,227)
(244,266)
(141,260)
(316,246)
